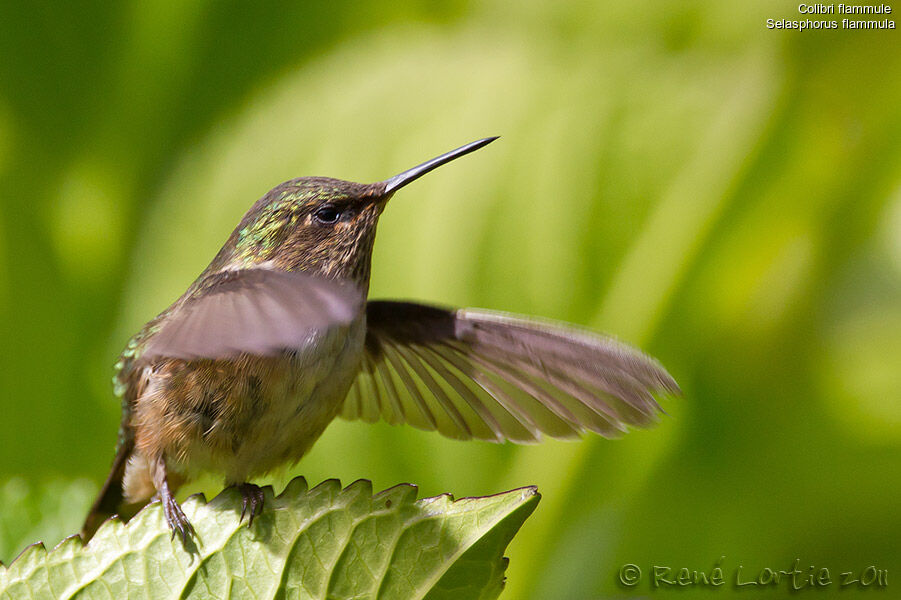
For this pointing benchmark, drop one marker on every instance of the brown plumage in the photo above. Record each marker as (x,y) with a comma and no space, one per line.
(275,339)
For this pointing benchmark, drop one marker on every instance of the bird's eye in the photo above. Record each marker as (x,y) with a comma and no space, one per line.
(328,215)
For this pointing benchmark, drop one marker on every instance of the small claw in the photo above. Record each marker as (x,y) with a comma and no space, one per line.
(252,496)
(176,519)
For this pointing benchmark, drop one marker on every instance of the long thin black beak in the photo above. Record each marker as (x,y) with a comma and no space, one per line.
(399,181)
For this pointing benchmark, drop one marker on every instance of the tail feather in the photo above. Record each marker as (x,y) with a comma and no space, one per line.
(110,500)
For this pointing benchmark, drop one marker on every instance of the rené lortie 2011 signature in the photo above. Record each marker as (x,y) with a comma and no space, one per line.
(795,578)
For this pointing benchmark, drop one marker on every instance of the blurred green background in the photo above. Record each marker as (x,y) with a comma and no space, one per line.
(725,196)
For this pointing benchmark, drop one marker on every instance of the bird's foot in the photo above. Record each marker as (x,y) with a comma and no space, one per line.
(176,519)
(252,499)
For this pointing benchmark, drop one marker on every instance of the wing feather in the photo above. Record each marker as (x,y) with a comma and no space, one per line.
(432,356)
(459,428)
(256,311)
(415,395)
(472,373)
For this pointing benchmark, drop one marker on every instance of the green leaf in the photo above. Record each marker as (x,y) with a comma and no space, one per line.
(48,510)
(326,542)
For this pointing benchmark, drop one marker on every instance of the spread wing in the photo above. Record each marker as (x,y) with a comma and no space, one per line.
(492,376)
(253,311)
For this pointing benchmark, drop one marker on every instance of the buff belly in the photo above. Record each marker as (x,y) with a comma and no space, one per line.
(240,418)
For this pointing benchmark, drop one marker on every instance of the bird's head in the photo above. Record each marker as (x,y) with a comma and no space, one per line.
(320,225)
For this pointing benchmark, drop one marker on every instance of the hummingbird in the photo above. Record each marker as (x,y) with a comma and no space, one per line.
(276,338)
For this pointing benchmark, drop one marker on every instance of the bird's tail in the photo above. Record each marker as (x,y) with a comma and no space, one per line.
(110,500)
